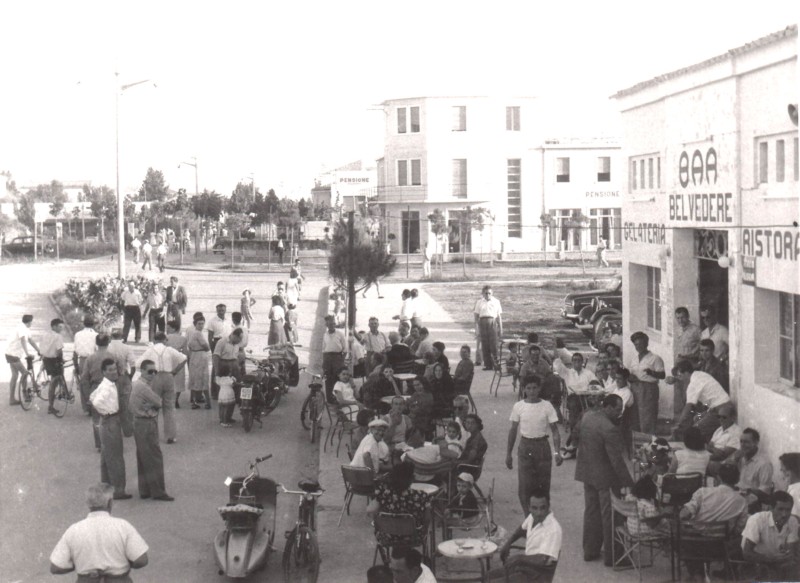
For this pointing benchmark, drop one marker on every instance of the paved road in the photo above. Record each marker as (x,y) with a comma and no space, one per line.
(46,463)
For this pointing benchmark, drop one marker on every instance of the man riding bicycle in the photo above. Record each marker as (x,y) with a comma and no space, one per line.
(52,352)
(17,349)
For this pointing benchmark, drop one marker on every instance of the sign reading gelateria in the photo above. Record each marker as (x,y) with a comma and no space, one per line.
(645,233)
(700,170)
(772,243)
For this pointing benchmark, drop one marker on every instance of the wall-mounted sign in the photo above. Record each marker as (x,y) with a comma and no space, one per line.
(602,193)
(748,270)
(772,243)
(702,168)
(645,233)
(714,207)
(709,244)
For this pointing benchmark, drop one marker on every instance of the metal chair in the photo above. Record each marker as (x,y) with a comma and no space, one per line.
(703,543)
(357,482)
(632,544)
(501,369)
(482,519)
(341,422)
(404,528)
(677,489)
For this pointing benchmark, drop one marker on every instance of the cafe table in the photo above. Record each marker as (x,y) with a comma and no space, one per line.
(468,548)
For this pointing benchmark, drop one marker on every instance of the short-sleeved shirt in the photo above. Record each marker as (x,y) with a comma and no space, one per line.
(687,340)
(794,492)
(132,298)
(136,243)
(488,308)
(719,335)
(147,248)
(377,450)
(219,328)
(729,437)
(762,530)
(105,398)
(155,301)
(333,342)
(534,418)
(543,538)
(578,381)
(690,461)
(143,401)
(638,365)
(14,346)
(376,342)
(122,352)
(407,310)
(755,473)
(50,344)
(703,388)
(225,350)
(99,542)
(84,343)
(625,394)
(718,504)
(164,357)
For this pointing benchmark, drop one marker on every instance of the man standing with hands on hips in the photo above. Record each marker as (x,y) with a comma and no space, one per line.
(333,350)
(489,324)
(646,370)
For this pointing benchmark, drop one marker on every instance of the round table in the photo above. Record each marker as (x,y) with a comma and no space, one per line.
(469,548)
(425,487)
(404,376)
(390,398)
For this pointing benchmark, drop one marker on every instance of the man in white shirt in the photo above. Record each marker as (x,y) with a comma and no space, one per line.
(52,350)
(687,343)
(168,362)
(578,378)
(84,345)
(725,439)
(161,255)
(646,370)
(147,253)
(375,342)
(716,332)
(489,322)
(16,350)
(110,401)
(154,309)
(372,452)
(99,543)
(218,327)
(136,244)
(534,419)
(770,539)
(703,395)
(407,566)
(333,350)
(543,536)
(132,312)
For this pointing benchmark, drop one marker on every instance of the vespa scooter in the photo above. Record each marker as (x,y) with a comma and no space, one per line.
(243,546)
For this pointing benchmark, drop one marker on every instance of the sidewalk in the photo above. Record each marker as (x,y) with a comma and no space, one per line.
(347,551)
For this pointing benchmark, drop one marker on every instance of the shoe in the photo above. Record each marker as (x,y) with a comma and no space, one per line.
(589,558)
(13,402)
(164,498)
(144,496)
(226,425)
(208,405)
(200,399)
(51,411)
(177,405)
(171,440)
(487,368)
(233,421)
(122,496)
(195,406)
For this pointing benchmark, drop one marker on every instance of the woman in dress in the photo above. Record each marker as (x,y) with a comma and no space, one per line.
(694,458)
(247,303)
(475,449)
(277,317)
(199,359)
(395,495)
(177,341)
(292,291)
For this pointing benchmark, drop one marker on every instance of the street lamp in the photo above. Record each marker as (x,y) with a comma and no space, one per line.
(120,198)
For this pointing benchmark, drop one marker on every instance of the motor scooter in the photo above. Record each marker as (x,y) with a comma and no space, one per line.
(259,392)
(245,543)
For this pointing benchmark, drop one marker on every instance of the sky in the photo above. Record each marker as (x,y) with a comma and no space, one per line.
(281,91)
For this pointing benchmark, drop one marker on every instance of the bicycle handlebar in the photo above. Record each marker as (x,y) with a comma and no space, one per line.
(263,459)
(301,492)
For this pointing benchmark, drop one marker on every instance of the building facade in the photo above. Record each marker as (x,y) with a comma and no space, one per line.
(460,153)
(710,213)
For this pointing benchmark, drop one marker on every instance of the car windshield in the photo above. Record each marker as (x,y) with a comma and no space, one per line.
(613,284)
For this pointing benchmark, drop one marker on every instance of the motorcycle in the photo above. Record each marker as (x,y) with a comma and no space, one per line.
(259,392)
(244,545)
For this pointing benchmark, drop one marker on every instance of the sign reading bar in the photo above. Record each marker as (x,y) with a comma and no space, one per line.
(645,233)
(748,270)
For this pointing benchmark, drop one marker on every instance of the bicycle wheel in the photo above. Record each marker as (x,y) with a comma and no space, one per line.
(61,401)
(301,556)
(313,414)
(305,413)
(42,385)
(25,397)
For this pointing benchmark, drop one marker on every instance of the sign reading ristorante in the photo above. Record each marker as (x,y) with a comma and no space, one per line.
(707,207)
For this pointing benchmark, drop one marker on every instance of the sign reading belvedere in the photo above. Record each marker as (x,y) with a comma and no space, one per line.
(700,171)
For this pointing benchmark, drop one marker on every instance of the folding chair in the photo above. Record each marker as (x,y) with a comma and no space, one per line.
(400,530)
(357,482)
(677,489)
(632,544)
(501,370)
(704,543)
(482,520)
(339,421)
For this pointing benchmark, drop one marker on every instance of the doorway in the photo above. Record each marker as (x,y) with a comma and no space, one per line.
(455,235)
(712,280)
(410,231)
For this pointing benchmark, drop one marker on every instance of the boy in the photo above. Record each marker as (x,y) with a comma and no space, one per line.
(464,505)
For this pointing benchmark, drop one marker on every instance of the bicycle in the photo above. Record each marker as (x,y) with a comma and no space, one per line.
(313,406)
(301,554)
(40,386)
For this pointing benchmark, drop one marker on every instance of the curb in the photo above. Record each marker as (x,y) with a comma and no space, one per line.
(61,315)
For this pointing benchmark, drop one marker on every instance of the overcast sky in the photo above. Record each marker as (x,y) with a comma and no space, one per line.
(280,92)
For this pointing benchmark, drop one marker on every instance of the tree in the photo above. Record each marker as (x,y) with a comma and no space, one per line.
(241,200)
(471,219)
(237,222)
(440,230)
(288,214)
(52,193)
(207,205)
(103,205)
(356,259)
(154,187)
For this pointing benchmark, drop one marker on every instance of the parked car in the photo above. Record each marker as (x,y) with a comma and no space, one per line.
(577,301)
(21,246)
(218,248)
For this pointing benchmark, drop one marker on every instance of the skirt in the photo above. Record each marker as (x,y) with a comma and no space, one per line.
(198,371)
(277,334)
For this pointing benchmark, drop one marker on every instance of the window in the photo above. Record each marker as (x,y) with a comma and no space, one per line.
(645,172)
(650,173)
(632,177)
(604,169)
(403,115)
(780,161)
(562,169)
(796,162)
(763,162)
(658,172)
(460,178)
(403,178)
(789,335)
(459,118)
(512,118)
(641,174)
(604,224)
(654,298)
(514,180)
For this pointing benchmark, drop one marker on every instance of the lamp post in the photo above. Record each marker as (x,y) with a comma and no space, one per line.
(196,194)
(120,198)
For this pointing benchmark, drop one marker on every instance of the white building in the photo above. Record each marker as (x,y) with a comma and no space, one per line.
(711,208)
(451,153)
(349,186)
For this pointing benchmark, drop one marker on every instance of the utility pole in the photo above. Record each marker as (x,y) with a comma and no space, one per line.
(351,284)
(408,236)
(269,239)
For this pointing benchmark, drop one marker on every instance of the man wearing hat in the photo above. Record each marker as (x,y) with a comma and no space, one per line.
(372,452)
(646,370)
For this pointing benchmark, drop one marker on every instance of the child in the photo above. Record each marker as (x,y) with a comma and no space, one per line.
(450,444)
(654,459)
(464,504)
(247,303)
(649,520)
(512,363)
(290,325)
(344,392)
(227,400)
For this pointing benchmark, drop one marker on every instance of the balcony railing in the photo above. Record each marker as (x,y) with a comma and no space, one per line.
(400,194)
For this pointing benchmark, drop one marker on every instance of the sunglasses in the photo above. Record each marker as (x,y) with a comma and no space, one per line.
(152,371)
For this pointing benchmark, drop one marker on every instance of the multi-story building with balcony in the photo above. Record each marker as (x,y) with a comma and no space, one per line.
(455,153)
(711,209)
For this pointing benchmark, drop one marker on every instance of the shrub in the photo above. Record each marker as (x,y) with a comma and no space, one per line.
(102,297)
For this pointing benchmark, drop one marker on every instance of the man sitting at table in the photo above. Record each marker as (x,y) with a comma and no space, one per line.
(407,567)
(725,440)
(372,452)
(770,539)
(755,470)
(543,535)
(399,353)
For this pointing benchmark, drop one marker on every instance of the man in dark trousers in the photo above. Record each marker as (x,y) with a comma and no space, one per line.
(145,405)
(601,467)
(333,350)
(176,301)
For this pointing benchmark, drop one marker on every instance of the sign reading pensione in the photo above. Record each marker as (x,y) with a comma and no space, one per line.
(698,172)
